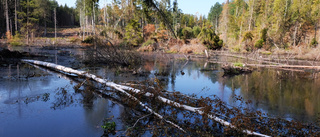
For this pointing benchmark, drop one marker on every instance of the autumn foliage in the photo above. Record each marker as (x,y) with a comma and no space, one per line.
(148,31)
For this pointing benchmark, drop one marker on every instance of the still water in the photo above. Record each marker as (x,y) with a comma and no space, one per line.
(38,102)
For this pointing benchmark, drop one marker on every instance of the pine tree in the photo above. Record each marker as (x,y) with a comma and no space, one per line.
(28,18)
(214,14)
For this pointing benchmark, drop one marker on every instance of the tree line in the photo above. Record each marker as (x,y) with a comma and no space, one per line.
(236,24)
(267,23)
(32,17)
(134,21)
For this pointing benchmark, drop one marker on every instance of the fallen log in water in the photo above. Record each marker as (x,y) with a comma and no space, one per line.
(122,88)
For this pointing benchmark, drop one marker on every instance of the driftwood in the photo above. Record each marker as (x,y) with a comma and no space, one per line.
(122,88)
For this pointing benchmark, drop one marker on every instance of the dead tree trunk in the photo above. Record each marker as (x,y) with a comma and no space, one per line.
(28,22)
(251,16)
(93,19)
(55,25)
(15,15)
(6,10)
(45,26)
(295,34)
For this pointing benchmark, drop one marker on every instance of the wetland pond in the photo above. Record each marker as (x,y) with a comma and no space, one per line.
(38,102)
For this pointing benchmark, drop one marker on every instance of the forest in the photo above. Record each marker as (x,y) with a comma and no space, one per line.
(146,68)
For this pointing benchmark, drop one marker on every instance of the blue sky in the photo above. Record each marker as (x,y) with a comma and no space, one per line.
(187,6)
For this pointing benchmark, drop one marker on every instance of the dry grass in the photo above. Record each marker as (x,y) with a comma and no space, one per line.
(310,54)
(195,41)
(300,52)
(148,48)
(174,49)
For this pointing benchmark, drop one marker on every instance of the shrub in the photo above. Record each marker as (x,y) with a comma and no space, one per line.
(148,42)
(104,32)
(236,48)
(264,34)
(162,35)
(8,35)
(314,42)
(16,40)
(210,39)
(88,40)
(238,64)
(196,31)
(259,43)
(119,34)
(133,33)
(74,39)
(247,36)
(149,30)
(179,33)
(187,33)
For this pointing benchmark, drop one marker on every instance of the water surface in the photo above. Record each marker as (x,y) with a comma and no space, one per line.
(37,102)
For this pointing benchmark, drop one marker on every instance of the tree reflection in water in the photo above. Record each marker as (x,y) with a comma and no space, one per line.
(63,99)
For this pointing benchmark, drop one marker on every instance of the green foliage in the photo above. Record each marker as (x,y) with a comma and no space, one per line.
(215,12)
(148,42)
(187,33)
(74,39)
(191,22)
(247,36)
(259,43)
(28,17)
(210,39)
(314,42)
(15,43)
(109,127)
(238,64)
(196,31)
(133,33)
(16,40)
(172,52)
(264,34)
(179,33)
(236,48)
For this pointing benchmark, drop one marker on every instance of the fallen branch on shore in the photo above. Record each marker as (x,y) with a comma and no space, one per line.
(122,89)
